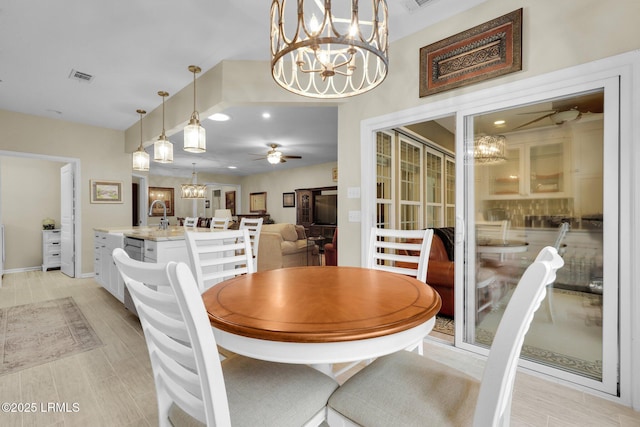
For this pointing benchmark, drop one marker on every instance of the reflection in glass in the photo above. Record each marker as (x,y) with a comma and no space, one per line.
(552,175)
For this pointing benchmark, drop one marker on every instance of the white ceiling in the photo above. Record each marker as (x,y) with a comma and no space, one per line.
(133,49)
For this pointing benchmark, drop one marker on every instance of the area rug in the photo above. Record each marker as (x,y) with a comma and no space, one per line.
(444,325)
(33,334)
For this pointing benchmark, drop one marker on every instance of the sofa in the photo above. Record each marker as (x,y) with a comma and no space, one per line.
(285,245)
(331,250)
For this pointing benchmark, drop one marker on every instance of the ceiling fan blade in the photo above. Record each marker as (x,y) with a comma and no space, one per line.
(282,160)
(291,157)
(536,120)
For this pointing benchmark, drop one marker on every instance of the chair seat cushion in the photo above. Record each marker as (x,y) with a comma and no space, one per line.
(268,394)
(406,389)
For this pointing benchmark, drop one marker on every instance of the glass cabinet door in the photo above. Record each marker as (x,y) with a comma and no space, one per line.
(505,178)
(546,168)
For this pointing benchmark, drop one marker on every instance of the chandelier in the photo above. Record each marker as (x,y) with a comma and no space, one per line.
(194,190)
(163,148)
(489,149)
(140,157)
(195,136)
(323,52)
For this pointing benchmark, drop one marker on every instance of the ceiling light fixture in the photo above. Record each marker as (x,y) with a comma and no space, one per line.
(195,137)
(163,148)
(194,190)
(489,149)
(324,53)
(140,157)
(274,157)
(219,117)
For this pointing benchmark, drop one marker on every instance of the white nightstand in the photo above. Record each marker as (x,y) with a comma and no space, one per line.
(51,246)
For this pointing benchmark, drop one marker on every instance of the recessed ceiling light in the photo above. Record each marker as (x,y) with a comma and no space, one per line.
(499,122)
(219,117)
(266,115)
(232,167)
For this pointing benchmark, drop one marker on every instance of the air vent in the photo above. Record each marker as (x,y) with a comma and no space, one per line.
(80,76)
(413,5)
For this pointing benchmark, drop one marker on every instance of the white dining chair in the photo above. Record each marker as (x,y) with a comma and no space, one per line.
(400,251)
(218,256)
(254,226)
(411,390)
(191,222)
(219,223)
(192,385)
(492,230)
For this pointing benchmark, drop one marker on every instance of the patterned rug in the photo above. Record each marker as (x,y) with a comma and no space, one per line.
(586,368)
(33,334)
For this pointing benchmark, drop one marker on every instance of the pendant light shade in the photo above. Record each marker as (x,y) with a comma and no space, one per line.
(193,190)
(489,149)
(140,157)
(325,50)
(195,136)
(163,148)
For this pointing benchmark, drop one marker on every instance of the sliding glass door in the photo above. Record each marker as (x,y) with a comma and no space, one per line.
(535,175)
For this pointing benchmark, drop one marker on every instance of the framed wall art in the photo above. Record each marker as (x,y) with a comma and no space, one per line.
(489,50)
(166,195)
(258,202)
(288,200)
(106,191)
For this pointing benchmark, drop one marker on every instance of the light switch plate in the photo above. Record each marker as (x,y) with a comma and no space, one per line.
(354,216)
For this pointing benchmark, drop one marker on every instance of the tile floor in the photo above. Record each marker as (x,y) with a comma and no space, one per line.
(113,385)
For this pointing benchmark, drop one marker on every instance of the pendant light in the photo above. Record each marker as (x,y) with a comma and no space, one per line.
(195,136)
(488,149)
(193,190)
(163,148)
(140,157)
(322,52)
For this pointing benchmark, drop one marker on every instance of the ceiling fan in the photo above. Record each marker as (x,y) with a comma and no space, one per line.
(569,109)
(275,156)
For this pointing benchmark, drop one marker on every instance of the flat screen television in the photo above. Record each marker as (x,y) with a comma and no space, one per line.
(326,209)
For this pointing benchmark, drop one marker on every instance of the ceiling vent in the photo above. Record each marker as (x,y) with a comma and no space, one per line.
(413,5)
(80,76)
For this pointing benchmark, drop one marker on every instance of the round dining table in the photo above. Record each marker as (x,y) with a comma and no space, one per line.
(320,315)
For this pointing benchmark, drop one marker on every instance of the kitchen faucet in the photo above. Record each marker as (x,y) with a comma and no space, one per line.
(164,222)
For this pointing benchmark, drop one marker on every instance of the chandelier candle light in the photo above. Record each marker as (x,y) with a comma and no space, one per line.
(489,149)
(320,51)
(194,190)
(195,136)
(140,157)
(163,148)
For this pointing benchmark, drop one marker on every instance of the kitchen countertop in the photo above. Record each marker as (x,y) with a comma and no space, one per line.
(151,232)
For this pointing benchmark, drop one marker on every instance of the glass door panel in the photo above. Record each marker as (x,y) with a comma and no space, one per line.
(553,172)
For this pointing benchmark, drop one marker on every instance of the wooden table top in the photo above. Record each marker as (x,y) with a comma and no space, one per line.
(320,304)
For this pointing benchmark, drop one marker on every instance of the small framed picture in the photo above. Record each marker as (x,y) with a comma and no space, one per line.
(106,191)
(288,200)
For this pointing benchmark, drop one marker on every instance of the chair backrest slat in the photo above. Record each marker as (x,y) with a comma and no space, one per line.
(400,251)
(219,223)
(191,222)
(220,255)
(254,226)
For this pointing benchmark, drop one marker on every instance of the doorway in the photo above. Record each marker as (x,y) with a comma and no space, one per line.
(481,195)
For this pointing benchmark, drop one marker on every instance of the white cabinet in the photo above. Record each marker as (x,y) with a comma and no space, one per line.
(532,170)
(106,272)
(51,254)
(165,251)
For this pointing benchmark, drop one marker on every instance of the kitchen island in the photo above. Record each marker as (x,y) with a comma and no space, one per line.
(143,243)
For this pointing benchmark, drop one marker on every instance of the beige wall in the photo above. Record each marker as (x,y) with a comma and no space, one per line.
(30,193)
(101,154)
(286,181)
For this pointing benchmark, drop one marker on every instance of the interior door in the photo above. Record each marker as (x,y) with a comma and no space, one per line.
(67,215)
